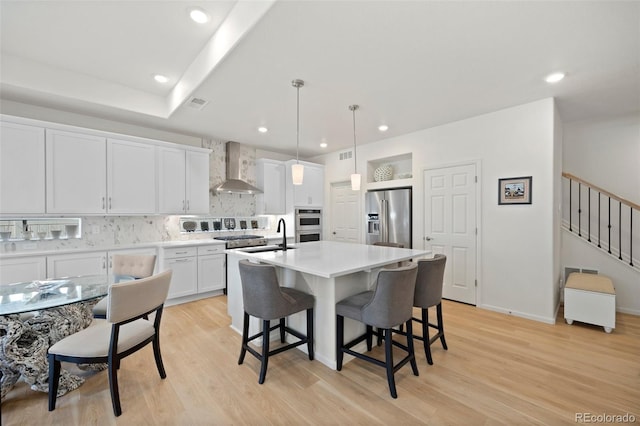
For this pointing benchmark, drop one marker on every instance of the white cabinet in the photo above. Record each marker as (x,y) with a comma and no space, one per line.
(183,181)
(311,192)
(70,265)
(271,177)
(195,269)
(76,173)
(20,269)
(22,166)
(131,177)
(89,174)
(197,182)
(211,268)
(183,262)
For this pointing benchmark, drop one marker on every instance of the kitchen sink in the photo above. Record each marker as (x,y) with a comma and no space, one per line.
(263,249)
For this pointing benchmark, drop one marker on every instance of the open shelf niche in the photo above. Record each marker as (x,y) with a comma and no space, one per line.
(402,166)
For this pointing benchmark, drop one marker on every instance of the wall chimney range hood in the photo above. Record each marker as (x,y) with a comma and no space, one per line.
(234,184)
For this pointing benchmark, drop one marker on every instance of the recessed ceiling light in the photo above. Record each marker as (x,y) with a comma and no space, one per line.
(198,15)
(160,78)
(323,145)
(554,77)
(263,129)
(383,127)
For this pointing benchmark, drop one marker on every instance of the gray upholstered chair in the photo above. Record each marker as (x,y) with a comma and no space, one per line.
(388,306)
(264,298)
(124,331)
(429,293)
(126,266)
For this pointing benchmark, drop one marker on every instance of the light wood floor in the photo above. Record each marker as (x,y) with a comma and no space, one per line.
(499,369)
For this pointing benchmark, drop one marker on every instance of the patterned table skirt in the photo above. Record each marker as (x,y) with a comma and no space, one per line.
(24,341)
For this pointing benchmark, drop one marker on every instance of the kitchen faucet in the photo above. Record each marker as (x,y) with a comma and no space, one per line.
(284,233)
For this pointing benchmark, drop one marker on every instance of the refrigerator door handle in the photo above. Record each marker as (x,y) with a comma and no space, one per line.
(384,221)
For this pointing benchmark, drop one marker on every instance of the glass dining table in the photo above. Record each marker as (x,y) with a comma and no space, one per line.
(36,314)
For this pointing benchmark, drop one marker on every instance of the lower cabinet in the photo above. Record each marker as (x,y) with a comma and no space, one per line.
(75,264)
(195,269)
(21,269)
(211,268)
(184,264)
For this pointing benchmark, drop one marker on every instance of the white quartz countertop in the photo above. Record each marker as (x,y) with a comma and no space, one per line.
(157,244)
(330,259)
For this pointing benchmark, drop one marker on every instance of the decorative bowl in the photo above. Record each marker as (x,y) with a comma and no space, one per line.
(383,173)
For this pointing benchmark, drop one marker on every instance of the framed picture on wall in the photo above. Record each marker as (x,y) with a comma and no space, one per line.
(514,190)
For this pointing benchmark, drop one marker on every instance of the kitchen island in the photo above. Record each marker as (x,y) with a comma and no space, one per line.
(329,270)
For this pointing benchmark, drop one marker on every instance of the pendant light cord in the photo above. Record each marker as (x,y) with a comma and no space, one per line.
(353,109)
(298,125)
(355,155)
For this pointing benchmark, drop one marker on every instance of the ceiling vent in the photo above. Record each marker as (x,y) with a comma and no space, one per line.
(197,103)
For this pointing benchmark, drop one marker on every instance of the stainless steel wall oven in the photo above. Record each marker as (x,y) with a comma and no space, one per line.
(308,225)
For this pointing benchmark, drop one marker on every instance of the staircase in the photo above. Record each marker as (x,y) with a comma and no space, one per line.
(602,219)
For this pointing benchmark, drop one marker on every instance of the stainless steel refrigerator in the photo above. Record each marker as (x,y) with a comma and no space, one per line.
(389,216)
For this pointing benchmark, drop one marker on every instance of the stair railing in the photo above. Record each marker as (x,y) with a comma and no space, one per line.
(623,207)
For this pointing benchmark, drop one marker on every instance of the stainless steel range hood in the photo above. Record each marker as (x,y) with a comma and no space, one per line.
(234,184)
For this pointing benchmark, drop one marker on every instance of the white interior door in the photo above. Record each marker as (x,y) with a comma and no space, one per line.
(450,227)
(345,213)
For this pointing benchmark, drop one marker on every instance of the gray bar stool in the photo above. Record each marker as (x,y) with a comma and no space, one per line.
(429,293)
(390,305)
(264,298)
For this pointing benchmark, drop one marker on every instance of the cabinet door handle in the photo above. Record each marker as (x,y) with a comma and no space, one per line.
(104,263)
(103,206)
(183,206)
(188,208)
(182,252)
(109,203)
(181,260)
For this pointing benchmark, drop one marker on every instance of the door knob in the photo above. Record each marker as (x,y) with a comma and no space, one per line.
(334,232)
(428,238)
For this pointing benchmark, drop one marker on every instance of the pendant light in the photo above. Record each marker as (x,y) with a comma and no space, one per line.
(355,177)
(297,170)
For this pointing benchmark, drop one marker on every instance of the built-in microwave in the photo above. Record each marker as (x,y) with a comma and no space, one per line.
(308,219)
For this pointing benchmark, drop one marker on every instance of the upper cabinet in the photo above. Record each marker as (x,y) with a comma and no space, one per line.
(76,173)
(271,177)
(131,177)
(311,192)
(65,170)
(183,181)
(22,166)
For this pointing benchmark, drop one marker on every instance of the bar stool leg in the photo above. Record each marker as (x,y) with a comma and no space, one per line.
(388,351)
(245,338)
(282,325)
(310,333)
(410,347)
(266,325)
(339,341)
(425,335)
(441,326)
(369,337)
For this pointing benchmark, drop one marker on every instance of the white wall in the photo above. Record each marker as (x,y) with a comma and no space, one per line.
(605,153)
(518,273)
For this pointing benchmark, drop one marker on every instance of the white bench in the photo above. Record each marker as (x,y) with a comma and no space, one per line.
(590,298)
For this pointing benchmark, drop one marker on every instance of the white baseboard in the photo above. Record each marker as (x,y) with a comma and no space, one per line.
(525,315)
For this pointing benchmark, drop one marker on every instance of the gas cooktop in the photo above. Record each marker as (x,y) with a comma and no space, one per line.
(239,241)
